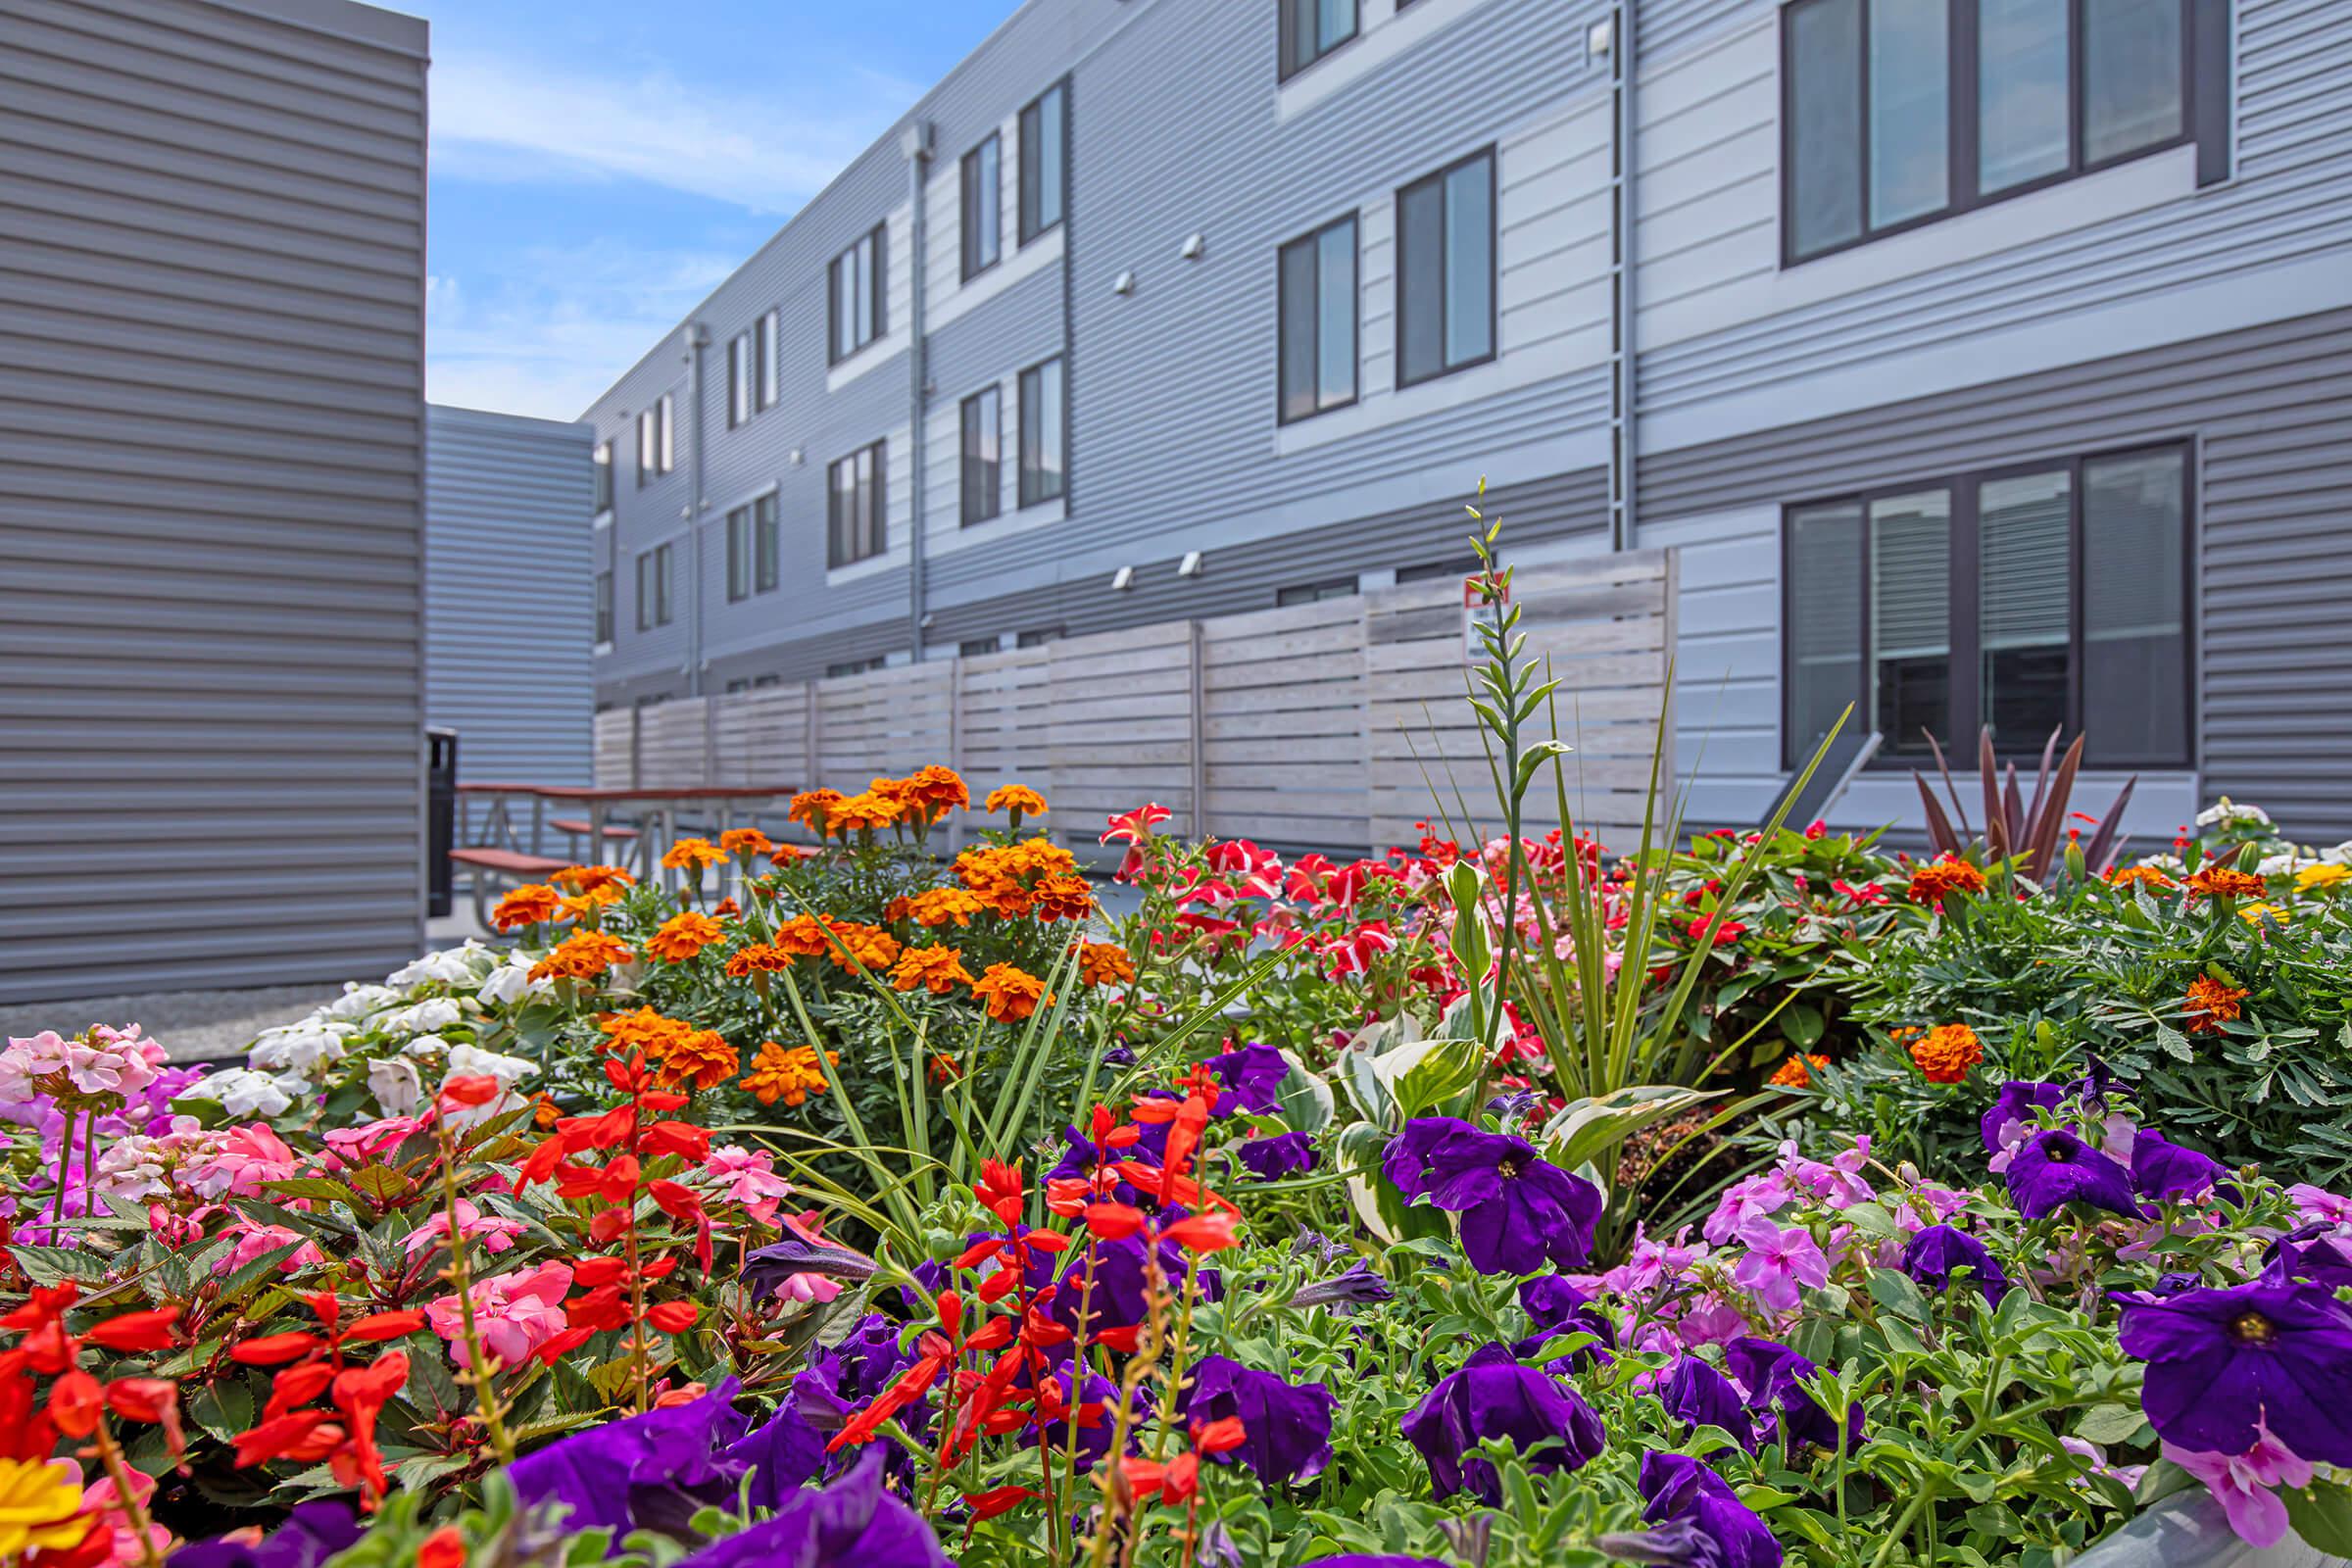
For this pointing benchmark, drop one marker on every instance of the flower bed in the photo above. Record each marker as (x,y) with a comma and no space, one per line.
(1763,1198)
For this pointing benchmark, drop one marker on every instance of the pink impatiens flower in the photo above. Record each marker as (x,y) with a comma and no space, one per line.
(247,1158)
(1778,1261)
(2245,1482)
(746,1176)
(514,1315)
(499,1234)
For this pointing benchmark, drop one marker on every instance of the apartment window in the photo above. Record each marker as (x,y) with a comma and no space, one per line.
(1434,570)
(2046,597)
(983,208)
(652,588)
(857,667)
(1044,432)
(740,371)
(601,466)
(1446,270)
(854,513)
(983,454)
(977,647)
(604,608)
(1308,593)
(657,448)
(752,549)
(855,285)
(666,447)
(1040,637)
(768,372)
(1045,159)
(1899,111)
(1311,29)
(1317,320)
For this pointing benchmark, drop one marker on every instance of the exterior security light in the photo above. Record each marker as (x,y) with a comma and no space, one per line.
(1192,247)
(1599,39)
(1122,579)
(1124,283)
(1190,567)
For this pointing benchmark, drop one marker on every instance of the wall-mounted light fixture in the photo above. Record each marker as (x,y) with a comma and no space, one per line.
(1189,566)
(1599,39)
(1194,247)
(1122,579)
(1124,283)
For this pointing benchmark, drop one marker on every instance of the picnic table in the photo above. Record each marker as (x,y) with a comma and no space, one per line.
(496,849)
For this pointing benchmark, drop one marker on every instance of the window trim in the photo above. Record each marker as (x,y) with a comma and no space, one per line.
(1314,237)
(1965,589)
(878,314)
(1025,497)
(1489,152)
(1026,229)
(966,229)
(992,502)
(2204,121)
(1288,67)
(834,559)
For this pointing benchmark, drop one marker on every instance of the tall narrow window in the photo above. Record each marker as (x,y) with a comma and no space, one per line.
(853,507)
(1446,270)
(2131,77)
(983,454)
(604,608)
(739,553)
(603,469)
(1044,429)
(1910,109)
(652,588)
(855,287)
(2136,609)
(739,379)
(1311,29)
(1824,639)
(1318,312)
(649,445)
(2022,52)
(1823,49)
(1045,159)
(2025,616)
(983,213)
(1910,619)
(668,444)
(766,543)
(771,371)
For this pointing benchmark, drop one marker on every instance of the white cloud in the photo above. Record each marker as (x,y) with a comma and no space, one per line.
(499,118)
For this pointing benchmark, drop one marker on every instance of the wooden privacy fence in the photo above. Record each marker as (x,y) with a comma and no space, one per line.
(1333,725)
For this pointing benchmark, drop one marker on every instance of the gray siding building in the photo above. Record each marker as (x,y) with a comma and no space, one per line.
(1982,364)
(212,255)
(508,608)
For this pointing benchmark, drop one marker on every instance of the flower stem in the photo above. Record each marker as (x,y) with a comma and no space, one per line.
(480,1370)
(126,1498)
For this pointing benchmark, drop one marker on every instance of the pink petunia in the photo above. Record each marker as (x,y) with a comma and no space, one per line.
(1778,1261)
(2245,1482)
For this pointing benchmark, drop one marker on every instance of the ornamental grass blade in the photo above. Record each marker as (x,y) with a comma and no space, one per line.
(2106,841)
(1952,791)
(1939,827)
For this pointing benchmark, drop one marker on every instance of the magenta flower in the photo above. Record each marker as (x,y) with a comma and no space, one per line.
(2244,1484)
(1777,1262)
(514,1315)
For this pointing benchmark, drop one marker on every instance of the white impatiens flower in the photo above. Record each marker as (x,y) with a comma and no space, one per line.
(2169,864)
(2277,864)
(243,1091)
(423,1017)
(2340,855)
(511,981)
(472,1061)
(2227,810)
(396,1084)
(425,1045)
(301,1047)
(461,965)
(358,1001)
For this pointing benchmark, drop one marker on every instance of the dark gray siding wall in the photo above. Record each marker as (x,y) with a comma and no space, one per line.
(509,612)
(2269,411)
(211,248)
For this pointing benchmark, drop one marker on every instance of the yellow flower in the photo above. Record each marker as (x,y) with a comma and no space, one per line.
(40,1506)
(2326,874)
(2255,913)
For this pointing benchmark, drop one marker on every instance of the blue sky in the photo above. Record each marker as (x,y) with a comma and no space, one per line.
(599,165)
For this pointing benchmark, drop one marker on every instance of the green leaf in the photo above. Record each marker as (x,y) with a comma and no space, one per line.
(2322,1514)
(1586,1129)
(1427,1073)
(2108,1424)
(54,1265)
(1894,1291)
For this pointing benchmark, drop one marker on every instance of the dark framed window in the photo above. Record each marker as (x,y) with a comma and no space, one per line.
(1040,636)
(983,210)
(601,466)
(1045,161)
(767,373)
(652,588)
(752,549)
(1309,593)
(1896,113)
(1446,270)
(739,370)
(978,647)
(1316,321)
(603,607)
(1044,432)
(853,507)
(983,448)
(857,667)
(649,449)
(1311,29)
(2046,596)
(855,285)
(767,544)
(1432,571)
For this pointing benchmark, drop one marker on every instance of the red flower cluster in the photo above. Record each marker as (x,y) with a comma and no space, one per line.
(343,1433)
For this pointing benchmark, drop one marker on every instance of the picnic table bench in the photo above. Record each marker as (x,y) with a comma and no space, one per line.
(491,864)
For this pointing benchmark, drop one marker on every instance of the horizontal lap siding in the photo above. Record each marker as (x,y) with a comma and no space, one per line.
(508,608)
(210,275)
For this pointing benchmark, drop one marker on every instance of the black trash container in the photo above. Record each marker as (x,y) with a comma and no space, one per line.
(440,819)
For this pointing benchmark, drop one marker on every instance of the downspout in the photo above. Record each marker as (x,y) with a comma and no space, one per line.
(697,338)
(1625,352)
(917,144)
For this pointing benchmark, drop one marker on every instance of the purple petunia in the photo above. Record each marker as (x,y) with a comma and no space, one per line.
(852,1521)
(2314,1253)
(312,1533)
(1272,1159)
(1773,1376)
(1935,1253)
(1556,1307)
(2054,1168)
(2163,1171)
(1253,1074)
(1287,1426)
(1679,1489)
(1494,1397)
(2012,1112)
(2223,1365)
(1696,1393)
(1518,1211)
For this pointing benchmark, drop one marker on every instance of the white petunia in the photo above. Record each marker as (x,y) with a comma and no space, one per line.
(2277,864)
(243,1091)
(425,1045)
(423,1017)
(510,982)
(472,1061)
(460,966)
(298,1047)
(396,1085)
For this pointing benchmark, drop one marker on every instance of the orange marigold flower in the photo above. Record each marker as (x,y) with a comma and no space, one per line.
(1063,898)
(873,947)
(790,1075)
(1104,964)
(814,809)
(757,957)
(532,903)
(2225,882)
(1947,1052)
(1009,992)
(788,853)
(582,956)
(693,854)
(937,907)
(1938,880)
(803,936)
(1018,799)
(1797,1071)
(929,792)
(643,1030)
(2138,876)
(746,841)
(2210,1003)
(682,936)
(545,1113)
(862,813)
(592,878)
(701,1057)
(580,906)
(937,969)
